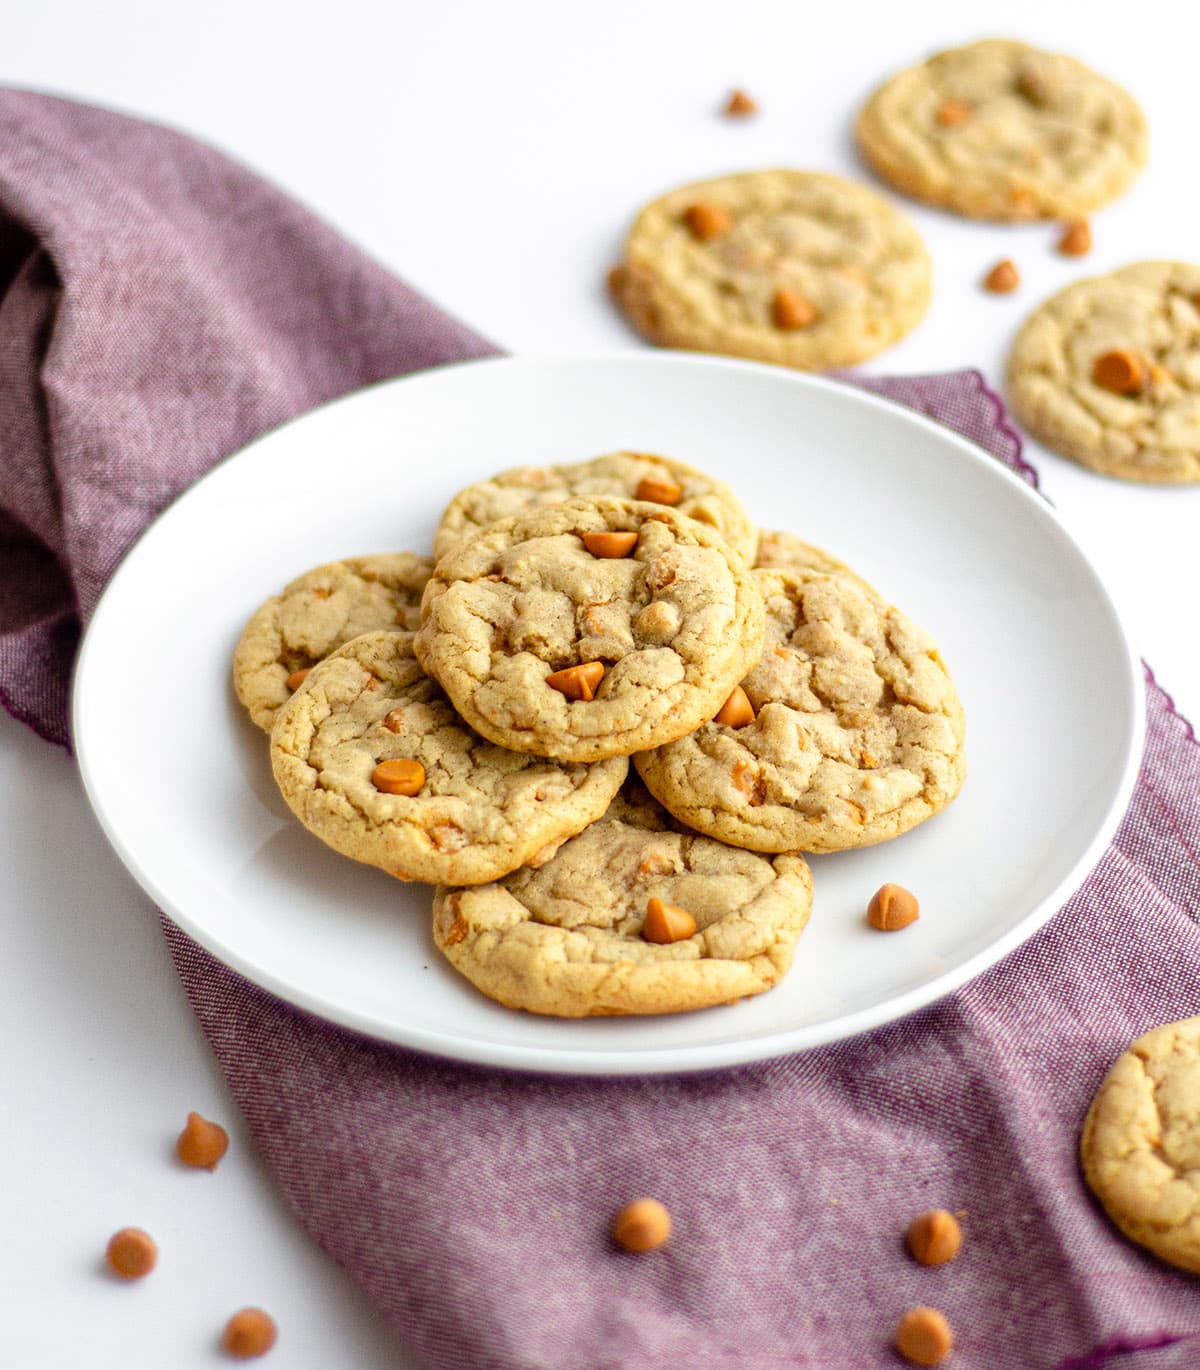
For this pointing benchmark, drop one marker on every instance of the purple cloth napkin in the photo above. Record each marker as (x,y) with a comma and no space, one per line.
(160,307)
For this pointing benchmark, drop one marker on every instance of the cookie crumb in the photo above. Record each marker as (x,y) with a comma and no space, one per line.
(923,1336)
(131,1253)
(1002,278)
(740,105)
(249,1333)
(201,1143)
(643,1225)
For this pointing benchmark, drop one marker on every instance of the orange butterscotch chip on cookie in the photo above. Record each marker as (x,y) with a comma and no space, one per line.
(667,922)
(790,311)
(131,1253)
(658,491)
(610,545)
(923,1337)
(1120,371)
(1002,278)
(249,1333)
(297,678)
(578,682)
(737,710)
(642,1225)
(401,776)
(704,222)
(892,907)
(951,113)
(201,1143)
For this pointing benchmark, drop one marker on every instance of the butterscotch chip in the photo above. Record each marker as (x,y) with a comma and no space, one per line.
(578,682)
(951,113)
(249,1333)
(399,776)
(923,1336)
(643,1225)
(1076,240)
(1120,371)
(1002,278)
(297,678)
(610,544)
(667,922)
(201,1143)
(740,104)
(934,1237)
(737,710)
(705,222)
(131,1253)
(658,491)
(789,310)
(892,907)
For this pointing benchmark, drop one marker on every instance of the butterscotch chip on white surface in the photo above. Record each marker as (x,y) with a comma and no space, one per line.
(1107,372)
(448,806)
(1002,130)
(811,270)
(857,735)
(316,614)
(568,938)
(1140,1147)
(544,647)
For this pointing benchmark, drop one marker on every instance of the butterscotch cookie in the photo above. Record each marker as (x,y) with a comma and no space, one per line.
(572,937)
(316,614)
(625,475)
(1000,130)
(591,628)
(1108,372)
(794,267)
(849,729)
(371,757)
(1141,1143)
(787,552)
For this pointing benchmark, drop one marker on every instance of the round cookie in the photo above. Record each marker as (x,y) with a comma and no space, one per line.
(664,632)
(566,939)
(857,734)
(1000,130)
(786,552)
(1140,1147)
(316,614)
(1148,316)
(793,267)
(479,812)
(618,474)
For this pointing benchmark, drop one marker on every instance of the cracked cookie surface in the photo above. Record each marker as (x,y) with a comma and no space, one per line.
(481,811)
(854,270)
(1150,310)
(1001,130)
(566,939)
(857,735)
(1140,1147)
(317,613)
(786,552)
(616,474)
(675,624)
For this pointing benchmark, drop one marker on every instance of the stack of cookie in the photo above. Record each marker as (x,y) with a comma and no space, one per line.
(576,617)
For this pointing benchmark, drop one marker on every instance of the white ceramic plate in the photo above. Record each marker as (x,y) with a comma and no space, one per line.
(181,783)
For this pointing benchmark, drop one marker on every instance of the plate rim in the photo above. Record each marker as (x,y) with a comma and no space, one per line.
(573,1061)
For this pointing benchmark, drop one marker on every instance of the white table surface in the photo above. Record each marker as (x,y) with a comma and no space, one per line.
(492,153)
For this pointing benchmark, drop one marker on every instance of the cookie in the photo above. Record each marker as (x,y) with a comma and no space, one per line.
(856,732)
(1107,372)
(591,628)
(1000,130)
(620,474)
(567,939)
(316,614)
(467,812)
(793,267)
(786,552)
(1140,1147)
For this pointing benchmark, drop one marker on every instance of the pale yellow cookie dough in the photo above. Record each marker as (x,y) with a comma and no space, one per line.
(618,474)
(840,249)
(787,552)
(857,735)
(674,624)
(316,614)
(1001,130)
(1151,310)
(482,811)
(1141,1143)
(565,939)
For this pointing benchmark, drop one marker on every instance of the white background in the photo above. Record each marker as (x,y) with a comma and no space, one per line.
(493,154)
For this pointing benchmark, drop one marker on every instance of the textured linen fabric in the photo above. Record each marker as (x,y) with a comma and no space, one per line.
(160,307)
